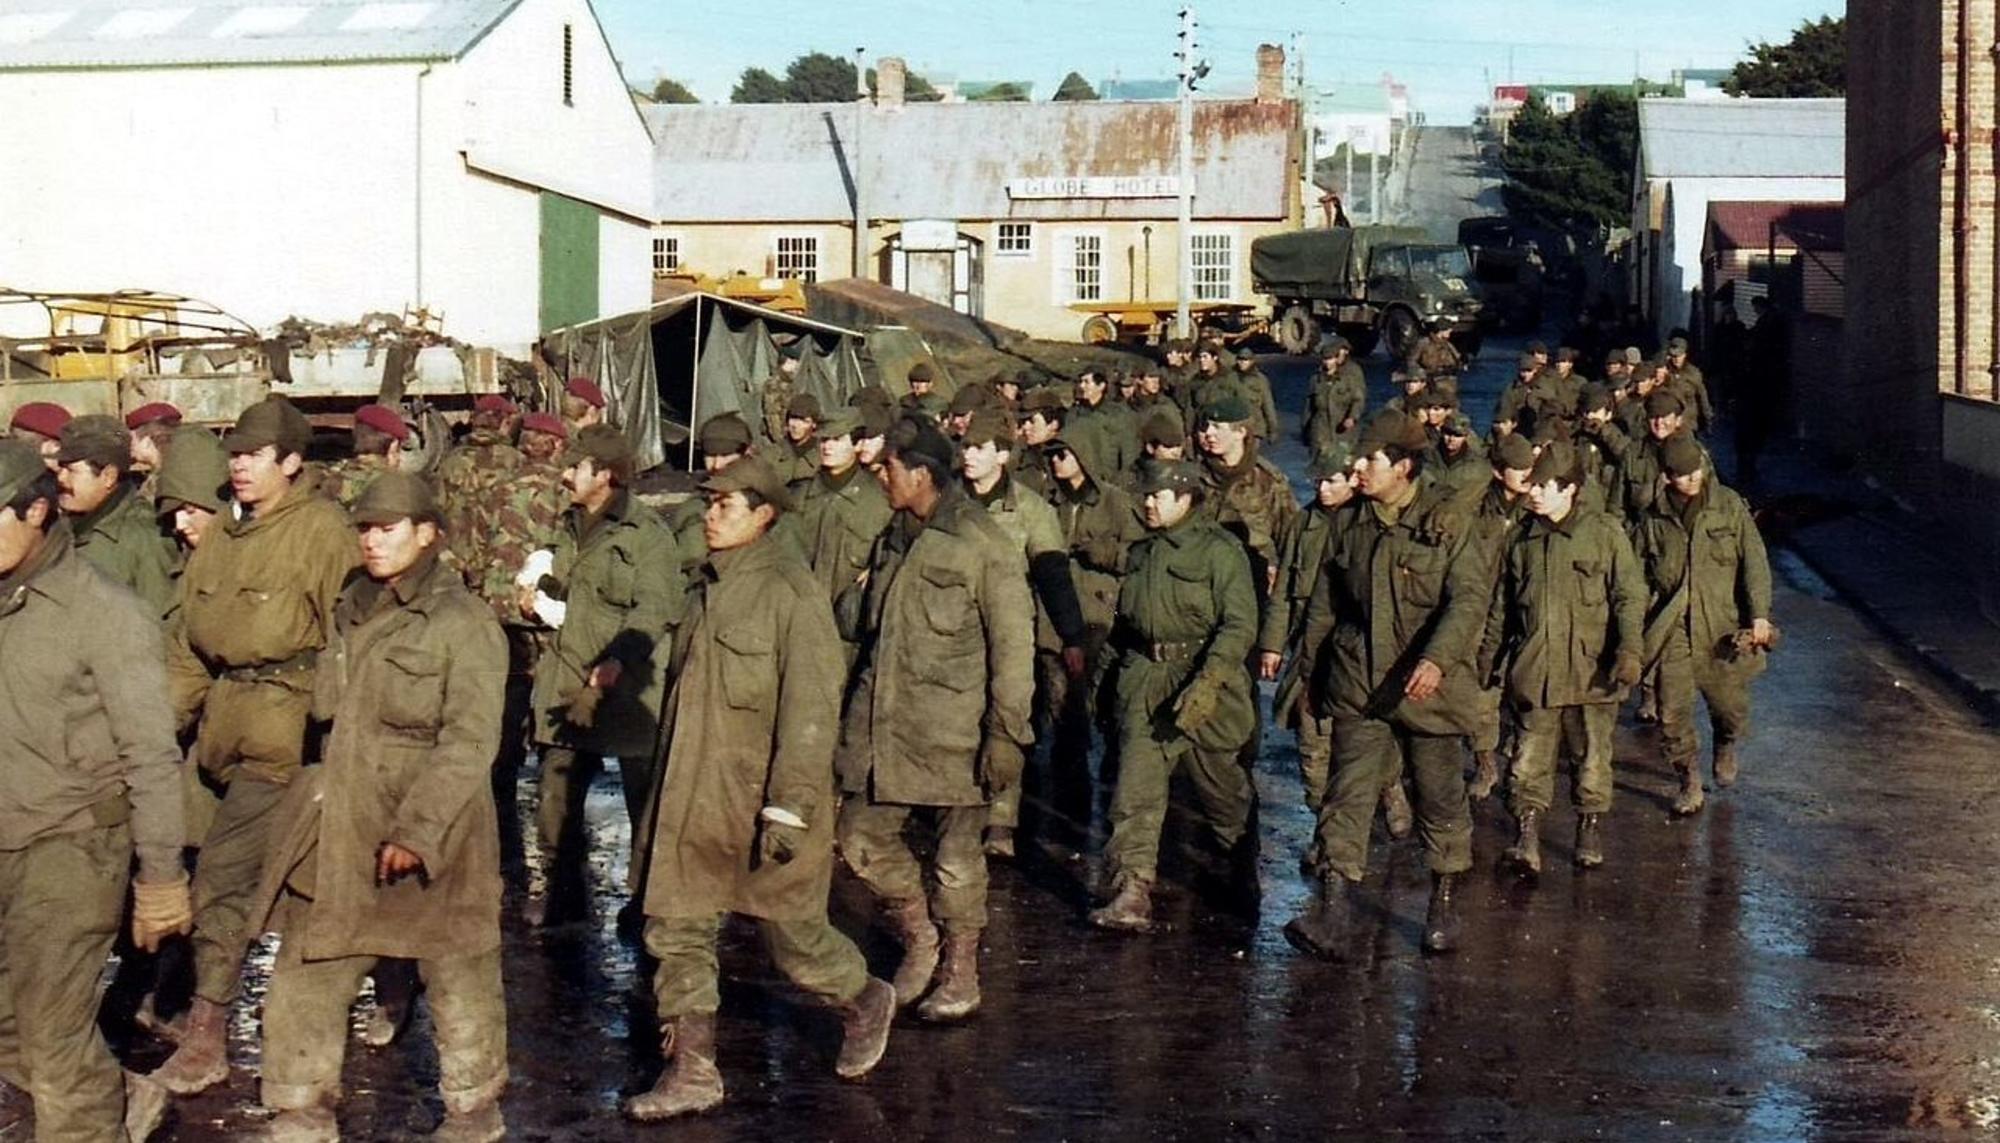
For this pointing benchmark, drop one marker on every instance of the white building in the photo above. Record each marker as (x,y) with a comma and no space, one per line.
(481,159)
(1693,152)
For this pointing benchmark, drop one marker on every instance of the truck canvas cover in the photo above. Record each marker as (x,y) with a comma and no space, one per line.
(1329,262)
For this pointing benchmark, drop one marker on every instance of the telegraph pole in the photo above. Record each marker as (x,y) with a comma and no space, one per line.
(860,267)
(1184,138)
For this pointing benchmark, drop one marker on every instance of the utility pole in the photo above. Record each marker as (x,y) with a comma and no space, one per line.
(1191,71)
(1374,185)
(860,268)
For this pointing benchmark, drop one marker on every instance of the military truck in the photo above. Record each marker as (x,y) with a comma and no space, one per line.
(1510,263)
(1370,284)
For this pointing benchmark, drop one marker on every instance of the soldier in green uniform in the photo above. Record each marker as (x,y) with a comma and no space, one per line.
(257,602)
(775,400)
(1495,519)
(390,847)
(1339,396)
(473,471)
(113,527)
(1187,620)
(152,425)
(1244,493)
(723,440)
(378,438)
(747,807)
(93,782)
(1395,627)
(798,454)
(1042,418)
(1149,390)
(964,403)
(1164,435)
(1530,400)
(1640,475)
(841,513)
(921,381)
(1435,355)
(1178,374)
(1708,627)
(938,720)
(1684,378)
(1206,382)
(1460,456)
(1106,431)
(1564,633)
(1256,388)
(616,572)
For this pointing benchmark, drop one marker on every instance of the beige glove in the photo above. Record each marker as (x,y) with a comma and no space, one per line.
(160,909)
(1626,669)
(582,710)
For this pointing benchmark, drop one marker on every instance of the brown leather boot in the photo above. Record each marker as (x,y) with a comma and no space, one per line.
(1590,840)
(1725,765)
(480,1124)
(1396,810)
(1441,919)
(202,1060)
(912,919)
(1485,776)
(303,1125)
(1688,801)
(1321,930)
(957,993)
(690,1082)
(864,1029)
(1130,909)
(1526,852)
(1000,842)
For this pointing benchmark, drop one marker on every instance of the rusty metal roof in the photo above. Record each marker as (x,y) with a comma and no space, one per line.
(1736,225)
(794,162)
(73,34)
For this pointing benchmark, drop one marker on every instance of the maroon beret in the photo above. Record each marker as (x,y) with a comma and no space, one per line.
(494,403)
(383,419)
(586,390)
(158,411)
(44,417)
(545,423)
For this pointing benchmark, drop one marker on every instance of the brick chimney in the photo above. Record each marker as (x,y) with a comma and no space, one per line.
(1270,73)
(890,78)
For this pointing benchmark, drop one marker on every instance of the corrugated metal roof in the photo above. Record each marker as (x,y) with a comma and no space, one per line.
(792,162)
(1742,138)
(181,33)
(1800,225)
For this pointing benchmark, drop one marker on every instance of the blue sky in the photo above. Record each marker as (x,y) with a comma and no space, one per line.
(1449,52)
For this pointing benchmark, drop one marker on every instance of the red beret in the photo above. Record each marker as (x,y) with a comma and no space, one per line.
(383,419)
(494,403)
(545,423)
(44,417)
(586,390)
(148,414)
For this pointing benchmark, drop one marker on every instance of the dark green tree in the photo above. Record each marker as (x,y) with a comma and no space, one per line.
(1074,89)
(673,91)
(756,85)
(916,89)
(1575,169)
(1003,93)
(817,77)
(1812,63)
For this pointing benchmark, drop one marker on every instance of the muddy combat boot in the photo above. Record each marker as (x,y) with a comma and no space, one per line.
(1688,801)
(202,1060)
(1321,930)
(690,1082)
(1485,776)
(1441,918)
(1589,840)
(1396,811)
(864,1029)
(478,1124)
(145,1107)
(1525,854)
(1725,765)
(912,919)
(957,993)
(1130,910)
(303,1125)
(1000,842)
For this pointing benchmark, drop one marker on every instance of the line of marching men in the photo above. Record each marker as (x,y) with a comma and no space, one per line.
(858,631)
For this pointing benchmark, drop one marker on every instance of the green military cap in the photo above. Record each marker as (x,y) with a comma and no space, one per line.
(918,439)
(1526,362)
(1228,409)
(1568,353)
(604,447)
(271,421)
(1595,396)
(1333,345)
(1179,476)
(20,464)
(970,399)
(1559,462)
(1163,427)
(1664,403)
(1045,401)
(724,434)
(1391,428)
(804,406)
(932,405)
(841,422)
(102,440)
(1538,346)
(1616,357)
(1680,456)
(1633,356)
(1441,394)
(1333,460)
(1514,451)
(397,495)
(194,470)
(921,372)
(989,426)
(1243,357)
(751,474)
(873,395)
(872,421)
(1458,425)
(1677,345)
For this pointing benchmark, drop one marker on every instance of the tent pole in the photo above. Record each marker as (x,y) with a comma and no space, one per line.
(694,386)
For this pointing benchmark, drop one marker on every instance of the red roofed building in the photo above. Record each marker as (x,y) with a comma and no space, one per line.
(1793,250)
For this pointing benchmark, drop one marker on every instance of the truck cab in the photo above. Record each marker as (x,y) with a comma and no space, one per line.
(1370,284)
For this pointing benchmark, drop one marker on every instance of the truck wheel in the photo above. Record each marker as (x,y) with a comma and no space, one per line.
(1099,329)
(1401,331)
(1297,331)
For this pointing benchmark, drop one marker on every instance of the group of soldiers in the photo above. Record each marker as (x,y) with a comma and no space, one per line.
(314,685)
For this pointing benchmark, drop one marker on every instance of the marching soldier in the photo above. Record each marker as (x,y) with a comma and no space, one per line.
(151,426)
(1494,522)
(1256,389)
(1685,379)
(1106,430)
(379,436)
(1339,396)
(1244,493)
(1435,356)
(841,513)
(113,527)
(40,423)
(798,451)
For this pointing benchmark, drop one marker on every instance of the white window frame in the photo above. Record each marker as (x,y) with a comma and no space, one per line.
(807,248)
(669,253)
(1206,287)
(1025,238)
(1064,266)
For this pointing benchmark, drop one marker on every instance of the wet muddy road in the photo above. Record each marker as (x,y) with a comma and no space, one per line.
(1814,955)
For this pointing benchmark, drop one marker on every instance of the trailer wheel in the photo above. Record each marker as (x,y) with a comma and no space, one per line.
(1099,329)
(1297,331)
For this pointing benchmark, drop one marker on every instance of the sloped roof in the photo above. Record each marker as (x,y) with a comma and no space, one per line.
(1742,138)
(793,162)
(1800,225)
(184,33)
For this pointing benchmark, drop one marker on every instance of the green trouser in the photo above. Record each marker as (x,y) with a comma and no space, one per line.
(871,839)
(1686,673)
(1223,793)
(1367,755)
(1315,757)
(305,1022)
(1543,735)
(559,810)
(60,902)
(226,876)
(1486,739)
(812,954)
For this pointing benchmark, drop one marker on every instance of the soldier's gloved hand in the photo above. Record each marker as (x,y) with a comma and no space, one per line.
(1196,704)
(1000,765)
(582,710)
(780,833)
(160,909)
(1627,669)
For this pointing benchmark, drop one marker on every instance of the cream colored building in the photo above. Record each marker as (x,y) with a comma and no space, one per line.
(1013,212)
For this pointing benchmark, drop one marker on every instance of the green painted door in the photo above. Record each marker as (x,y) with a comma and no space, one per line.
(569,261)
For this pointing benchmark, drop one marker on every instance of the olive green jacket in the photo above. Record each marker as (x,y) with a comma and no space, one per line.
(1107,437)
(947,659)
(1187,610)
(1397,592)
(1253,501)
(1100,525)
(1263,406)
(1706,569)
(1432,356)
(1254,389)
(751,722)
(1571,599)
(1282,630)
(1693,389)
(1336,399)
(838,522)
(625,590)
(1030,521)
(123,540)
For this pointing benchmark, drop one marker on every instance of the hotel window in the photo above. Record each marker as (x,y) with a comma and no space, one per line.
(798,257)
(1017,239)
(666,254)
(1087,267)
(1214,267)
